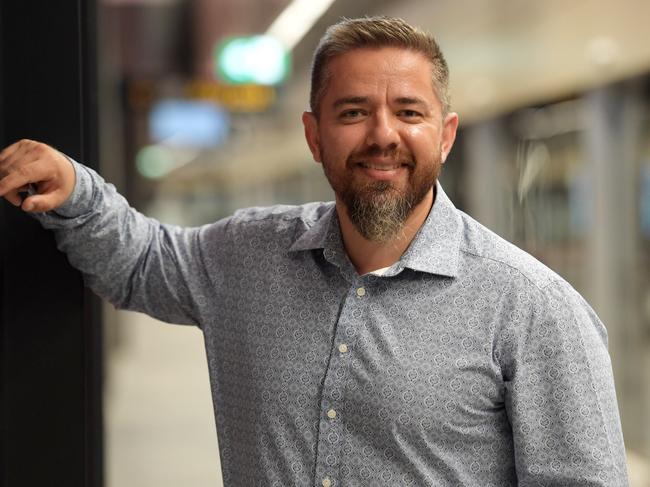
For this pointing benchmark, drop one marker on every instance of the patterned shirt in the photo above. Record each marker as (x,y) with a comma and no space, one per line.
(466,363)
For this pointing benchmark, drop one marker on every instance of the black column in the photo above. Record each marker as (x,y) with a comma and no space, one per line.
(50,341)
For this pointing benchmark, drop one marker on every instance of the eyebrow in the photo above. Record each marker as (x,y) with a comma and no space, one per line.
(350,100)
(407,100)
(357,100)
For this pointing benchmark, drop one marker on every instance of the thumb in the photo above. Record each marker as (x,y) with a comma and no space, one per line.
(43,202)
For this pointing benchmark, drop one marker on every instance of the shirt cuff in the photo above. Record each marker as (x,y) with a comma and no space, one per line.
(81,197)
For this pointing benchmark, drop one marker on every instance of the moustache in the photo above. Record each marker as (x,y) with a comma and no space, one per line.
(388,155)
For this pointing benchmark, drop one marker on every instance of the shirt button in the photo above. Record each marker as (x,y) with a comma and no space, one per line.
(361,291)
(343,348)
(326,482)
(331,414)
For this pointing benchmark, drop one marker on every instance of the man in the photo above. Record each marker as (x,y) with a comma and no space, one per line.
(384,339)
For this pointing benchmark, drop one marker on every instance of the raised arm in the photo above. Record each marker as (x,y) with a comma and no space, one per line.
(133,261)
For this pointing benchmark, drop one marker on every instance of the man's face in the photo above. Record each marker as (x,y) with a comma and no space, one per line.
(381,136)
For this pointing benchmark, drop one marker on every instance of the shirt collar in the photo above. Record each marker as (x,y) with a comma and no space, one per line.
(324,230)
(435,248)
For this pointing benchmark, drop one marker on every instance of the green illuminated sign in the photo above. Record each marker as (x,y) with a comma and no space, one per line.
(154,161)
(256,59)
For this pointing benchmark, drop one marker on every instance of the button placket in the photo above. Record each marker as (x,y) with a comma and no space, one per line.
(331,434)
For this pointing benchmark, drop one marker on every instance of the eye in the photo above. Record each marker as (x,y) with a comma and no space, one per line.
(352,114)
(409,114)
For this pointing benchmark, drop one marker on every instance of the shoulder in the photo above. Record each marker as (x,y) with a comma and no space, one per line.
(281,224)
(482,247)
(258,233)
(521,279)
(539,303)
(280,216)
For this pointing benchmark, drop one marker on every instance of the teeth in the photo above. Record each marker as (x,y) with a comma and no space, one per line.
(380,168)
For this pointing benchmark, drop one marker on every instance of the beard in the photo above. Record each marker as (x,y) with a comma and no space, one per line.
(379,209)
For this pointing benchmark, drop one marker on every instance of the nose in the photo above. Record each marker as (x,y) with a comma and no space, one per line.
(382,131)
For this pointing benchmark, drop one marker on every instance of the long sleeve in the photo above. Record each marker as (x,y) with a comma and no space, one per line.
(133,261)
(560,396)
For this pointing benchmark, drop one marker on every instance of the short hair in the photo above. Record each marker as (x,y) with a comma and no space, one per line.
(374,32)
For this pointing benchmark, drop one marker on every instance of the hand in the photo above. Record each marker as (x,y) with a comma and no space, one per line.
(30,164)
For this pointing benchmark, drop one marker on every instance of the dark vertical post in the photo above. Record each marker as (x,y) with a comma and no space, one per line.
(50,344)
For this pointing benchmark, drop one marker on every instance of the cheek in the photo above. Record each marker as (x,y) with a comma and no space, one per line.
(339,144)
(423,133)
(422,140)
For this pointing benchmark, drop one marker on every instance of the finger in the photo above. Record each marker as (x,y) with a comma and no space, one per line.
(7,151)
(11,182)
(21,147)
(14,197)
(24,153)
(43,202)
(22,175)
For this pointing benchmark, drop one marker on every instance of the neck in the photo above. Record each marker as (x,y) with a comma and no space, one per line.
(367,256)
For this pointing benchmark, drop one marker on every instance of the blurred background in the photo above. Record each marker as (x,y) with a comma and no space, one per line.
(200,104)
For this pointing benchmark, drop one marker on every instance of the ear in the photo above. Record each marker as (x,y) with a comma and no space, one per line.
(449,127)
(310,122)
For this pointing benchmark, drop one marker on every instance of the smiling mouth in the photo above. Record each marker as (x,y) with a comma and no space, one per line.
(382,167)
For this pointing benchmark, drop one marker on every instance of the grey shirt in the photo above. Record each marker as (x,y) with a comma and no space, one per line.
(467,363)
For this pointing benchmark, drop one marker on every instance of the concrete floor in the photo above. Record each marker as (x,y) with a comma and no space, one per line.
(160,428)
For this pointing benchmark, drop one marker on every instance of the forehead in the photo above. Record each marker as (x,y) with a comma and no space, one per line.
(373,71)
